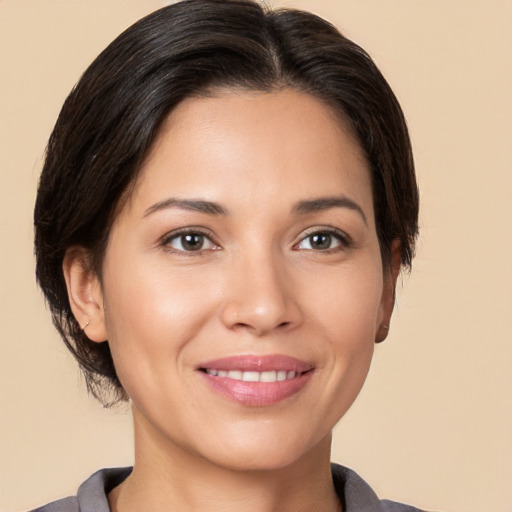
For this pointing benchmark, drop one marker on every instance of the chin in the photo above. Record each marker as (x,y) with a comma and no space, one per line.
(268,453)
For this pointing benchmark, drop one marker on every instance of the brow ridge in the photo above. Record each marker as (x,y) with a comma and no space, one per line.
(196,205)
(325,203)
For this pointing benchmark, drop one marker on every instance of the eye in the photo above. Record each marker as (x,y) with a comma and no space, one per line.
(189,241)
(324,240)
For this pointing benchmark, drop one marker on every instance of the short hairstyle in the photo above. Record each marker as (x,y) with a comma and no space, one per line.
(190,48)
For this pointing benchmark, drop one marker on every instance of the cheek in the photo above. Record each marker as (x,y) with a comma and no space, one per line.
(348,305)
(152,314)
(347,315)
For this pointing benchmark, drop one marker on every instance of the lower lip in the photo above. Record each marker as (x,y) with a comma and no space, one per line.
(257,394)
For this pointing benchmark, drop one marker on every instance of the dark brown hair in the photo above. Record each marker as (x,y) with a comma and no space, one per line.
(112,115)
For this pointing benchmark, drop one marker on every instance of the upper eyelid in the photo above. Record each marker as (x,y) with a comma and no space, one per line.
(324,229)
(165,239)
(345,237)
(344,240)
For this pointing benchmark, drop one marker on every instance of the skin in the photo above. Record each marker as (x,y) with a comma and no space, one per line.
(258,286)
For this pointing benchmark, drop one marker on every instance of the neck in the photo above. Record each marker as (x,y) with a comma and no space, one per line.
(169,477)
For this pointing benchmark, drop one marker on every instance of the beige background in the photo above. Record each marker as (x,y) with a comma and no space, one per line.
(434,422)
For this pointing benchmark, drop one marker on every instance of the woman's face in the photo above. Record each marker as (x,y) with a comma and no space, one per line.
(243,287)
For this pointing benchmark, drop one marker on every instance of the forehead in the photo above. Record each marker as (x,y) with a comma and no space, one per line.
(244,145)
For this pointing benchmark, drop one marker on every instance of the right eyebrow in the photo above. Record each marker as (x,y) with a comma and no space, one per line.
(195,205)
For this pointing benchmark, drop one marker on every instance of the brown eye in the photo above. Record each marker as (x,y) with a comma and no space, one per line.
(189,242)
(320,241)
(323,241)
(192,242)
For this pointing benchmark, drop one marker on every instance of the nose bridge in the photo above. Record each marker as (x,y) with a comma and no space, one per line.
(259,294)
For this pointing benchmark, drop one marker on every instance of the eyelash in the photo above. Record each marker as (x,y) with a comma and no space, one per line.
(176,235)
(344,240)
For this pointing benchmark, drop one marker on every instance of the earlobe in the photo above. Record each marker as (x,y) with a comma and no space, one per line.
(388,293)
(84,293)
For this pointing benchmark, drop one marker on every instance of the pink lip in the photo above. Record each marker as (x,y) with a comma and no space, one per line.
(257,394)
(257,363)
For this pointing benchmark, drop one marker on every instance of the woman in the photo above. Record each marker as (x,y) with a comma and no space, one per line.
(227,199)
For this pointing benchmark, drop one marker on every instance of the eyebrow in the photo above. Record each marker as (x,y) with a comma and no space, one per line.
(195,205)
(325,203)
(211,208)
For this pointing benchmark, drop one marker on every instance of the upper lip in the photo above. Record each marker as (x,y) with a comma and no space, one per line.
(257,363)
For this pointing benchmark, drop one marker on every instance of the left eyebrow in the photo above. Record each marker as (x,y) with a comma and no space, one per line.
(195,205)
(325,203)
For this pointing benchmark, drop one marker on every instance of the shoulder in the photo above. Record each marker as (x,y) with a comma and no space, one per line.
(357,496)
(91,495)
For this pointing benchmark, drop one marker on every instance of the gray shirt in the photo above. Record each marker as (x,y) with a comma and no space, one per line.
(355,494)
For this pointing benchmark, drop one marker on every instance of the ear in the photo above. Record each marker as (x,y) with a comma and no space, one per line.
(388,292)
(85,294)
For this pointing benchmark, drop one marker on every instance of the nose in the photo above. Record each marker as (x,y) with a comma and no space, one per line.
(260,297)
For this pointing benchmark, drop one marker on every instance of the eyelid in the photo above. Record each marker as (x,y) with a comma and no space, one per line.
(344,238)
(188,230)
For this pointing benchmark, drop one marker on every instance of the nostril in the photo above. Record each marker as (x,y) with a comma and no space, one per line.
(241,325)
(260,317)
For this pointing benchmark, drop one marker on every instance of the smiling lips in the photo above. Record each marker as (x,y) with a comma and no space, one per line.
(257,381)
(250,376)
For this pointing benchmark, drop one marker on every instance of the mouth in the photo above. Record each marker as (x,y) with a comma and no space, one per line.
(257,381)
(252,376)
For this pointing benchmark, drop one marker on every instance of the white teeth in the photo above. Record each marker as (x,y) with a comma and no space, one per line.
(268,376)
(251,376)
